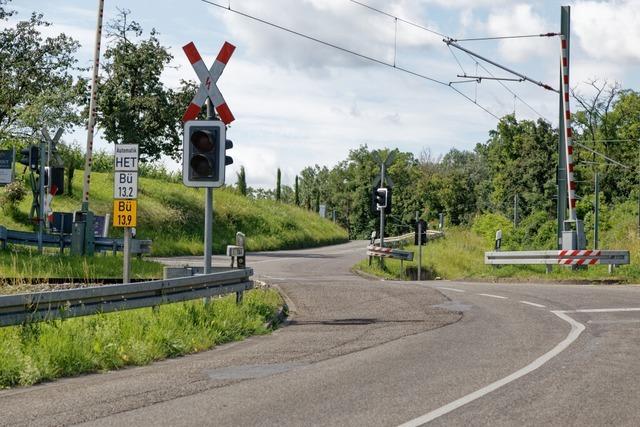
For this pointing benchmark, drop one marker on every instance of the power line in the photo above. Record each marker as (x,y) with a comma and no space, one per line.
(512,92)
(615,162)
(506,37)
(398,18)
(349,51)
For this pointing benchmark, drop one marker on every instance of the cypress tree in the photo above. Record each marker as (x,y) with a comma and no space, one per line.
(297,193)
(278,180)
(242,181)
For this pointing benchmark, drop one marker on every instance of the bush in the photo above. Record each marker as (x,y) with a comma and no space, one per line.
(13,194)
(487,224)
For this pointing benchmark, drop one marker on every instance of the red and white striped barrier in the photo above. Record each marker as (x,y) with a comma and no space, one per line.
(208,79)
(554,257)
(379,251)
(568,131)
(575,257)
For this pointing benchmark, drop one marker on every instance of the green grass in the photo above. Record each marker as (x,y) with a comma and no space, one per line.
(27,271)
(39,352)
(172,215)
(460,256)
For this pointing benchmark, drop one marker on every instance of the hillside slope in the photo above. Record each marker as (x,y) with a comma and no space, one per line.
(172,215)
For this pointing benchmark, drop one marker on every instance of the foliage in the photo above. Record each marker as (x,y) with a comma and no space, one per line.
(37,86)
(37,352)
(13,194)
(242,181)
(134,106)
(278,185)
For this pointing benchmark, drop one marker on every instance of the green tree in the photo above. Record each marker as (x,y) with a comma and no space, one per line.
(37,84)
(242,181)
(278,183)
(133,104)
(297,193)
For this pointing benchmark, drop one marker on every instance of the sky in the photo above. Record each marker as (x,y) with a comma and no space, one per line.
(298,103)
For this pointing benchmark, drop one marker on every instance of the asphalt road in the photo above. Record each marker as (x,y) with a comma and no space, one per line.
(362,352)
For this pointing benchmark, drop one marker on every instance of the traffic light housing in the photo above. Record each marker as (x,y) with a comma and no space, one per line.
(381,196)
(423,228)
(55,178)
(30,157)
(204,147)
(228,160)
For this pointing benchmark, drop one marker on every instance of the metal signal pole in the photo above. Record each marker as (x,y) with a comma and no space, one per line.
(565,15)
(382,170)
(208,209)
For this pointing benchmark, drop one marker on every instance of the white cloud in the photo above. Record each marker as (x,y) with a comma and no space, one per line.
(608,30)
(518,20)
(337,22)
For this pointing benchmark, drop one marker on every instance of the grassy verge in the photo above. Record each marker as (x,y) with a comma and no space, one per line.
(172,215)
(460,256)
(27,271)
(40,352)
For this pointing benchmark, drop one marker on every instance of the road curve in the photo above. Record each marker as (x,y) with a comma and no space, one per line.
(362,352)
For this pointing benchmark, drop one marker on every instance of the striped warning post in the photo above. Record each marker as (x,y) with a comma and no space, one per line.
(208,86)
(579,257)
(568,131)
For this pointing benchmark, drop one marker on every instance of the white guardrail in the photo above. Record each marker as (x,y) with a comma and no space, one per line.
(381,252)
(562,257)
(397,240)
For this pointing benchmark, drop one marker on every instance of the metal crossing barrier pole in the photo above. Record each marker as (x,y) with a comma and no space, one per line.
(382,170)
(561,257)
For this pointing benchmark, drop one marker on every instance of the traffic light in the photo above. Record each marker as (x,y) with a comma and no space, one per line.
(228,160)
(381,198)
(31,157)
(423,228)
(204,160)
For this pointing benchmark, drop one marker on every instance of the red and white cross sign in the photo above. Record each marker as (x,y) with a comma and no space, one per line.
(208,79)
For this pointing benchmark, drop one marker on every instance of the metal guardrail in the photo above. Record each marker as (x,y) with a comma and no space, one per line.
(62,241)
(378,251)
(562,257)
(397,240)
(41,306)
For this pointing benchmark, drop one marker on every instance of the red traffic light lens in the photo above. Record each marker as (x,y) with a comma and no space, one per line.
(201,165)
(202,141)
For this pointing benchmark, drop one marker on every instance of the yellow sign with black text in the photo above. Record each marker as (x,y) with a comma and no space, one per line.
(125,213)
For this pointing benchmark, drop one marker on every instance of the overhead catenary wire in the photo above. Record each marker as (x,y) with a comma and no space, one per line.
(506,37)
(422,27)
(512,92)
(447,40)
(345,50)
(609,159)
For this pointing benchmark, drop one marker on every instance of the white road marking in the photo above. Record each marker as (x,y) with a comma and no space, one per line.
(576,330)
(493,296)
(450,289)
(533,304)
(601,310)
(612,322)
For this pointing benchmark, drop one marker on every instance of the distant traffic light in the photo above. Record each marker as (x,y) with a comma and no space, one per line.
(381,198)
(30,157)
(204,159)
(228,160)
